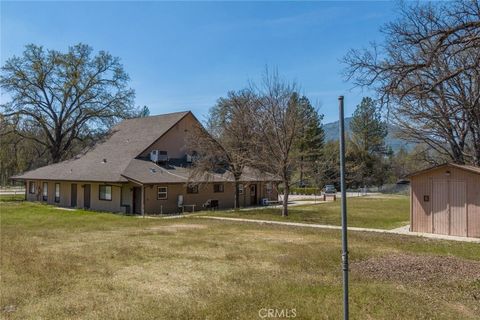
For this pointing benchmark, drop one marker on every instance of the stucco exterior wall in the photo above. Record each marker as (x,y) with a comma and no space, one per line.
(226,199)
(122,196)
(173,141)
(65,195)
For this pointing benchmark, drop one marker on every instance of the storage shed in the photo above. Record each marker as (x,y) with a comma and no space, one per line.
(446,200)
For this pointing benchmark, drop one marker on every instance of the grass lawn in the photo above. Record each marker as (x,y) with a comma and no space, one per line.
(58,264)
(385,212)
(12,197)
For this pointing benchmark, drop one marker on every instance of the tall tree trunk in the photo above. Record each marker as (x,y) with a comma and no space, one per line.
(55,153)
(301,171)
(286,192)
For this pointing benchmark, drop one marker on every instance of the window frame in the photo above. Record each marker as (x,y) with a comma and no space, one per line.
(100,192)
(165,197)
(45,191)
(220,190)
(57,198)
(269,188)
(31,187)
(193,189)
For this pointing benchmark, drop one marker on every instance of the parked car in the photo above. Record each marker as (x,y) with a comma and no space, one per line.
(330,189)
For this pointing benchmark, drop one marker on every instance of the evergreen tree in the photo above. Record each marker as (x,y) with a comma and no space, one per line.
(368,149)
(310,141)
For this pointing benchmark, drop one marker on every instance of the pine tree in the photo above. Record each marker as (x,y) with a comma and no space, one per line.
(368,132)
(311,140)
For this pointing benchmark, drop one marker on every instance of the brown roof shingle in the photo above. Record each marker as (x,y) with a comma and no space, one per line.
(147,172)
(125,142)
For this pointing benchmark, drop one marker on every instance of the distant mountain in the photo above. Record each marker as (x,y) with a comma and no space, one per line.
(331,133)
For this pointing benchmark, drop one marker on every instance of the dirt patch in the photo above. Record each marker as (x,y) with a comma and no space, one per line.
(419,269)
(179,226)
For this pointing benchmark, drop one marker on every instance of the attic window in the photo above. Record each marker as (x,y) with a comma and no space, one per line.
(152,170)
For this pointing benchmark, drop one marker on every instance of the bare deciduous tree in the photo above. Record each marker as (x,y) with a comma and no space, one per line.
(67,95)
(279,121)
(225,144)
(428,73)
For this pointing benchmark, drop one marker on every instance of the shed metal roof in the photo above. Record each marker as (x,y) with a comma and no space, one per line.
(469,168)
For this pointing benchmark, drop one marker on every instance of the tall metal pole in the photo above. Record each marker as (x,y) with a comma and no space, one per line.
(344,209)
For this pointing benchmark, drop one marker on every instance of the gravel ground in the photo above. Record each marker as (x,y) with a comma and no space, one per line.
(418,269)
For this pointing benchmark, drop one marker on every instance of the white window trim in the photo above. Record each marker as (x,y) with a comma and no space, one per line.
(106,198)
(45,191)
(164,193)
(31,187)
(57,194)
(222,188)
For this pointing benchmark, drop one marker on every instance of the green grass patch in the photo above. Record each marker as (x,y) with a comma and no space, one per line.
(12,197)
(385,212)
(58,264)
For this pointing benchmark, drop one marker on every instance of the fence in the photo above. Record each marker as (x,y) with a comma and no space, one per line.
(13,193)
(387,189)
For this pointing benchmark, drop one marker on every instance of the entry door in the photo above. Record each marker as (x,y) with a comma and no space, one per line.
(137,200)
(73,195)
(440,207)
(86,197)
(458,210)
(253,194)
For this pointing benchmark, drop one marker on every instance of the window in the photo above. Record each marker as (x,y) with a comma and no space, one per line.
(57,192)
(240,188)
(31,187)
(192,189)
(45,191)
(218,187)
(269,188)
(105,193)
(162,193)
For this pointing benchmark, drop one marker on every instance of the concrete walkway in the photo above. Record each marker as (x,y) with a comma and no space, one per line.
(401,231)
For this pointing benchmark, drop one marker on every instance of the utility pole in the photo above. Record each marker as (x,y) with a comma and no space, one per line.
(344,208)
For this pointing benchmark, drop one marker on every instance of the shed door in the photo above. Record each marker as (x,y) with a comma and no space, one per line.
(458,212)
(440,206)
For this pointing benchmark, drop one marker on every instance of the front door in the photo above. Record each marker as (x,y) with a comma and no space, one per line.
(73,195)
(137,200)
(86,197)
(253,195)
(440,207)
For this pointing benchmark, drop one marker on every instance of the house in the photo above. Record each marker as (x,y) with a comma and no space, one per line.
(445,199)
(142,168)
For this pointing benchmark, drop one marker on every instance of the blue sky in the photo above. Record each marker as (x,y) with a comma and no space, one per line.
(185,55)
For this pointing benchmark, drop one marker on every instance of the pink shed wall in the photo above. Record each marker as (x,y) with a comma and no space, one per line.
(450,196)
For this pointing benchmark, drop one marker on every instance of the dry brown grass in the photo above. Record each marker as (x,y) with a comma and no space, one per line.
(79,265)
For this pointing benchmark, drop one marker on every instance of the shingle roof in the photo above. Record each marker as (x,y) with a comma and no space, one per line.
(125,142)
(147,172)
(459,166)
